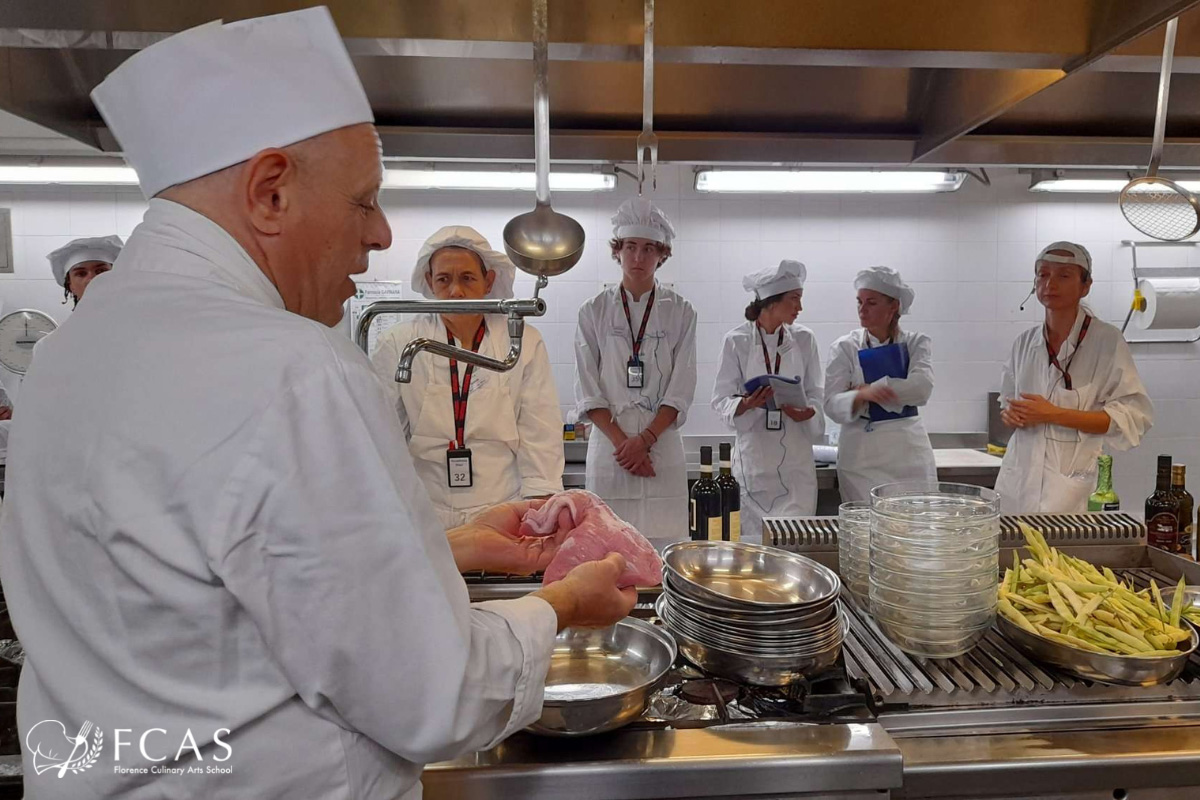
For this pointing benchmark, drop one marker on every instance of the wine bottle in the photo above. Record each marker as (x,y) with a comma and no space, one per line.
(731,497)
(1187,525)
(1162,511)
(1104,498)
(705,501)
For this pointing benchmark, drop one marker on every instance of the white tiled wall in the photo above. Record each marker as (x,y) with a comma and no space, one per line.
(969,256)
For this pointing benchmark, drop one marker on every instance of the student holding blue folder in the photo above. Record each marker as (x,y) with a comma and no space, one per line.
(877,379)
(767,390)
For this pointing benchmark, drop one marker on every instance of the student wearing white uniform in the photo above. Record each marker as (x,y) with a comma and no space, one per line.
(510,422)
(229,541)
(882,439)
(1070,389)
(635,377)
(74,265)
(772,455)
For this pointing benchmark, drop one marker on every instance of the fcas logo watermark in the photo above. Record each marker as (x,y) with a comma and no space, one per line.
(53,750)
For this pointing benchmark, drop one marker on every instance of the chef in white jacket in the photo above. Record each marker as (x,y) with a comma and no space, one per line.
(635,378)
(509,422)
(226,561)
(772,456)
(1070,389)
(882,439)
(74,265)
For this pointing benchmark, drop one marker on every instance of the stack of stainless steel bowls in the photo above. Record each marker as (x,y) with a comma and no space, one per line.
(751,613)
(854,548)
(935,569)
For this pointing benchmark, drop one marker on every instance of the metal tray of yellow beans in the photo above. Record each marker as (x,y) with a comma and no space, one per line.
(1120,669)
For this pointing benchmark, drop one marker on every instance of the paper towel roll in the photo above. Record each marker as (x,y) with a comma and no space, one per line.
(1171,303)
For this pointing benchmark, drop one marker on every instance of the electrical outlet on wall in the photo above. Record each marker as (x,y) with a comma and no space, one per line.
(6,257)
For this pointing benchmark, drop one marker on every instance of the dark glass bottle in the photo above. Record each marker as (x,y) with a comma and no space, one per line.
(705,501)
(731,497)
(1187,523)
(1162,511)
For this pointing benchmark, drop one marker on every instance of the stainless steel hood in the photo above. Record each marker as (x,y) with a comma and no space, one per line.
(1017,82)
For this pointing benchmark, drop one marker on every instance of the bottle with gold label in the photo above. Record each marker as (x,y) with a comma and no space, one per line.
(705,501)
(1162,511)
(1187,522)
(731,497)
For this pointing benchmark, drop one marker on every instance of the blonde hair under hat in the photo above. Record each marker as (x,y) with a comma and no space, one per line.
(888,282)
(469,239)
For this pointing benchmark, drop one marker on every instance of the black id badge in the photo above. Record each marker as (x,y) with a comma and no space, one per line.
(635,374)
(774,420)
(459,472)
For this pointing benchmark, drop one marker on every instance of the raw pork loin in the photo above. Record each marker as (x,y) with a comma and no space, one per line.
(588,530)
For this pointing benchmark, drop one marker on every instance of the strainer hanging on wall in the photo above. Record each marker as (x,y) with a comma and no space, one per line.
(1160,208)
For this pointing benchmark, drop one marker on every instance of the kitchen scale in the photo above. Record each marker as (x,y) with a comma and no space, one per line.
(19,332)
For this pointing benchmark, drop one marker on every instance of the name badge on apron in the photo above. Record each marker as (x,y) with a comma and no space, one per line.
(459,472)
(774,420)
(635,374)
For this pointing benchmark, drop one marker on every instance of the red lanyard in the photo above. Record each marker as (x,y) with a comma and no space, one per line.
(1066,373)
(641,334)
(460,398)
(767,358)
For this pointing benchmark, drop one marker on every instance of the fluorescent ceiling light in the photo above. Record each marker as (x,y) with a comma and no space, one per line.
(496,180)
(846,181)
(76,175)
(1093,185)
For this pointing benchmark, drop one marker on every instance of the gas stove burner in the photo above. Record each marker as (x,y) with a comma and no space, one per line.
(709,691)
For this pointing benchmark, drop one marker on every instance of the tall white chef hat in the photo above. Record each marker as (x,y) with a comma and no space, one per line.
(215,95)
(638,218)
(1079,255)
(469,239)
(771,281)
(886,281)
(80,251)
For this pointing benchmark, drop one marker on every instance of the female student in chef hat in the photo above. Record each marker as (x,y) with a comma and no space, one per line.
(635,379)
(74,265)
(777,425)
(878,378)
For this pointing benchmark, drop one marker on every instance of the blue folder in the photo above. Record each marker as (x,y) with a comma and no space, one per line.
(887,361)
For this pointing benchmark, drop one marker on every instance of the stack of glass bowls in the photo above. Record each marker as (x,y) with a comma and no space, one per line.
(854,548)
(935,565)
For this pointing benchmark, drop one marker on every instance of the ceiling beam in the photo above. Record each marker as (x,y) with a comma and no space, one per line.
(959,101)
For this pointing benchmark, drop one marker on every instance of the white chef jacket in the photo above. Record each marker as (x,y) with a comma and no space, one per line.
(229,533)
(774,469)
(513,426)
(1052,469)
(656,506)
(871,454)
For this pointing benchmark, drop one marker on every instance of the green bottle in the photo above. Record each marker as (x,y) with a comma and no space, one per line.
(1104,498)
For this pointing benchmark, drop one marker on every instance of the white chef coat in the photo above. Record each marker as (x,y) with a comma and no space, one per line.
(656,506)
(874,453)
(1052,469)
(230,534)
(513,426)
(775,469)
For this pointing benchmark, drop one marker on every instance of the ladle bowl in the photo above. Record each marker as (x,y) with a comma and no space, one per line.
(543,241)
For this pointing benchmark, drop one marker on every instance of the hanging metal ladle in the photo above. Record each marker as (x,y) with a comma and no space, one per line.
(542,242)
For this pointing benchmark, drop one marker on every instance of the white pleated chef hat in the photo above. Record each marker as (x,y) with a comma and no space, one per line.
(213,96)
(80,251)
(1079,255)
(468,239)
(638,218)
(785,277)
(888,282)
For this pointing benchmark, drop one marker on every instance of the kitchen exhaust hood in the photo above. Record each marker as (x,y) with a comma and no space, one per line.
(791,83)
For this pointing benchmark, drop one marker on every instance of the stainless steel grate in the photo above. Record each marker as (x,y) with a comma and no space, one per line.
(819,534)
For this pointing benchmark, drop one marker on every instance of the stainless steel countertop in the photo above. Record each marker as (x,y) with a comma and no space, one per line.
(844,760)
